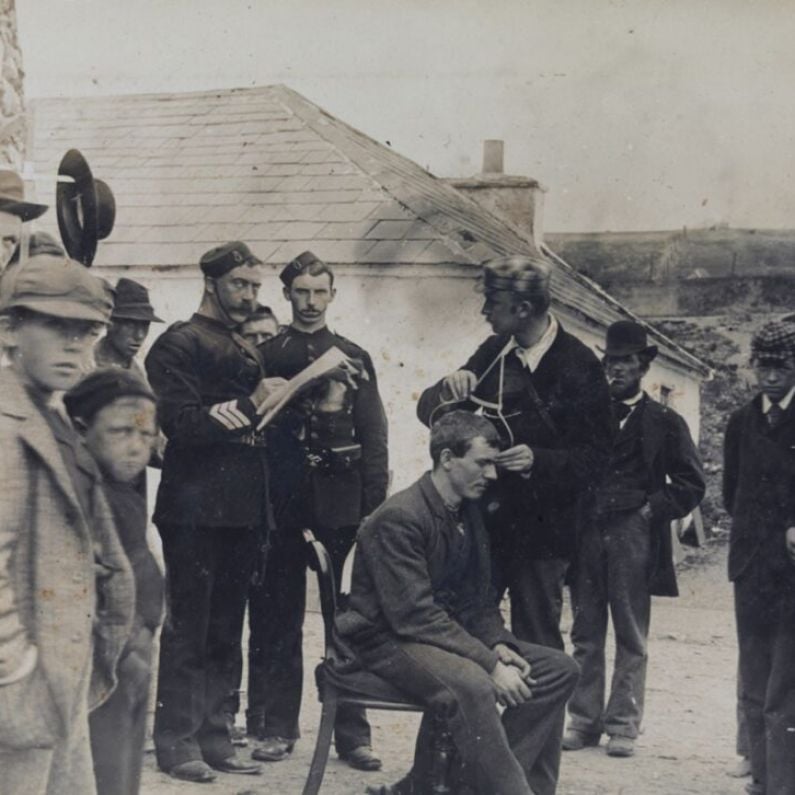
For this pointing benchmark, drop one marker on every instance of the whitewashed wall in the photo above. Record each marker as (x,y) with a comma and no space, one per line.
(417,328)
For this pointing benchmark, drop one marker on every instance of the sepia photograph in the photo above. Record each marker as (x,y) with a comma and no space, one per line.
(397,398)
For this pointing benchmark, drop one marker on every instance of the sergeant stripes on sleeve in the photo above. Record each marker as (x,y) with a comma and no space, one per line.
(229,415)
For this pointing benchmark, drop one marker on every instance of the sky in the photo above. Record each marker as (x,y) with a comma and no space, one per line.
(635,115)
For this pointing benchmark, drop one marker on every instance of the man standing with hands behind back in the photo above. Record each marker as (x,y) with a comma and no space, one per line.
(545,392)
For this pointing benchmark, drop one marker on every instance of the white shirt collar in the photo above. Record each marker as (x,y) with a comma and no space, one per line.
(633,400)
(784,402)
(531,357)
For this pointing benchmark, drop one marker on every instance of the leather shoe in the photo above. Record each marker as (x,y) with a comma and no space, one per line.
(232,764)
(362,758)
(195,771)
(575,740)
(273,749)
(620,746)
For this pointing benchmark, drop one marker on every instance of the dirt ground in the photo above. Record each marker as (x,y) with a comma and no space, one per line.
(686,747)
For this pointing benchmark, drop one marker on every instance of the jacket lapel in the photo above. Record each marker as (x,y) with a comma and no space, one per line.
(652,431)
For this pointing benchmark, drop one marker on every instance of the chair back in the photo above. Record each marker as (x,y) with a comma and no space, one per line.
(321,563)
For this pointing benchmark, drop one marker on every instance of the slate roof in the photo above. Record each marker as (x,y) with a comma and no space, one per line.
(267,166)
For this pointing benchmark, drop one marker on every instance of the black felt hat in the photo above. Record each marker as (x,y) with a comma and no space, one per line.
(132,302)
(12,197)
(625,337)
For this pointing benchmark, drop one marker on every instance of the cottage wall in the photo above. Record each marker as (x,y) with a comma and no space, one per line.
(417,328)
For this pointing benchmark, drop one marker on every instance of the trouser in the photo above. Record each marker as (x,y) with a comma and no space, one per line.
(118,727)
(612,573)
(536,591)
(518,754)
(208,573)
(276,617)
(64,766)
(766,640)
(743,744)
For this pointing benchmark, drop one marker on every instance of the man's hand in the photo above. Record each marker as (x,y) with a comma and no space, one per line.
(518,458)
(645,511)
(790,537)
(268,393)
(459,385)
(510,657)
(511,689)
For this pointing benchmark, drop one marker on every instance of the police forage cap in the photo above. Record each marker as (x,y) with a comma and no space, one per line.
(102,387)
(518,273)
(296,266)
(60,287)
(222,259)
(775,341)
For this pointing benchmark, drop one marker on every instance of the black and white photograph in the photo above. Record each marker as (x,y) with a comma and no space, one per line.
(397,398)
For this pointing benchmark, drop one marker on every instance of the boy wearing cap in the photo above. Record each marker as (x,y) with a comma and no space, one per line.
(759,494)
(211,511)
(66,589)
(624,555)
(129,325)
(329,454)
(115,412)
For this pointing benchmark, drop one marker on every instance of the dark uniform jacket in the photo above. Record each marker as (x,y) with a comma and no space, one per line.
(538,517)
(328,448)
(759,494)
(674,482)
(213,469)
(401,587)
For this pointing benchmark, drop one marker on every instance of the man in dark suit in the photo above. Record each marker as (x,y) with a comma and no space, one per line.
(423,616)
(759,494)
(625,553)
(328,453)
(211,511)
(546,393)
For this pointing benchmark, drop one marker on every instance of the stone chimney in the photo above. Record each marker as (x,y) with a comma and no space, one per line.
(12,106)
(517,200)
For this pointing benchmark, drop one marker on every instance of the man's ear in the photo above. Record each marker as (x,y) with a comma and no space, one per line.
(80,425)
(209,285)
(445,458)
(286,293)
(332,294)
(6,332)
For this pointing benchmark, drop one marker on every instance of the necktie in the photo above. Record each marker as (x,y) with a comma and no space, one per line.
(774,415)
(621,410)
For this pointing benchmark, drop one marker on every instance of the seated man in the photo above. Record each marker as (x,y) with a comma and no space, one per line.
(423,617)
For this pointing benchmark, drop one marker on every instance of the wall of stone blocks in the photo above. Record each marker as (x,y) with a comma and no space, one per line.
(12,106)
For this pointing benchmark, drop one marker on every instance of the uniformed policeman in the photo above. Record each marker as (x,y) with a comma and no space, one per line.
(329,463)
(210,511)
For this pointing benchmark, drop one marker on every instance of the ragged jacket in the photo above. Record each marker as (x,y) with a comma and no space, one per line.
(399,588)
(65,610)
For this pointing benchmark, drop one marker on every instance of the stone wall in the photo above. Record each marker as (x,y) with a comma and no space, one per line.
(12,114)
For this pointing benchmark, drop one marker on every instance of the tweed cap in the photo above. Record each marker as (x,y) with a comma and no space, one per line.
(774,342)
(297,266)
(60,287)
(516,274)
(100,388)
(222,259)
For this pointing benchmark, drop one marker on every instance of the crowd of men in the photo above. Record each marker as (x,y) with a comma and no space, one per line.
(548,467)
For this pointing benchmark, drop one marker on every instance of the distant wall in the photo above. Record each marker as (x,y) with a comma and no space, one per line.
(12,108)
(416,327)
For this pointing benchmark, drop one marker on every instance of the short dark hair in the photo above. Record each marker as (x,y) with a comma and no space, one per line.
(455,432)
(262,313)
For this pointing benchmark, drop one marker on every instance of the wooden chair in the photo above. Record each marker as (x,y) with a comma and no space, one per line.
(338,684)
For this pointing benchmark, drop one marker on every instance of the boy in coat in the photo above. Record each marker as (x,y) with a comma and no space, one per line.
(115,411)
(66,589)
(759,494)
(625,554)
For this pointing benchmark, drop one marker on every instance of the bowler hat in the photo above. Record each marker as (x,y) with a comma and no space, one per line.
(132,302)
(85,207)
(222,259)
(625,337)
(12,197)
(60,287)
(100,388)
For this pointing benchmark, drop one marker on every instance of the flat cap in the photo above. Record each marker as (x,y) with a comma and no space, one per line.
(297,266)
(518,274)
(222,259)
(775,341)
(60,287)
(100,388)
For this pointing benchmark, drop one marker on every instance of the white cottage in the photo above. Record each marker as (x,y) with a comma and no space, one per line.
(267,166)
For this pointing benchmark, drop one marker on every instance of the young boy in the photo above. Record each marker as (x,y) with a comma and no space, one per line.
(115,412)
(66,589)
(759,493)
